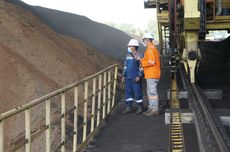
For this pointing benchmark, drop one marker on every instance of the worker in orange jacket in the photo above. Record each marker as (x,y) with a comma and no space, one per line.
(152,73)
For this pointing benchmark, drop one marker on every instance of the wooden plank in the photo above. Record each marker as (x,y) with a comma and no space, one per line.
(85,111)
(75,127)
(48,125)
(2,136)
(99,100)
(27,130)
(93,105)
(63,122)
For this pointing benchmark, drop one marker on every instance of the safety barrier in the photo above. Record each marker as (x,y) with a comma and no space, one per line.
(102,101)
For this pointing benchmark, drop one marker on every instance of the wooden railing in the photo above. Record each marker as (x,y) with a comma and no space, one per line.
(102,101)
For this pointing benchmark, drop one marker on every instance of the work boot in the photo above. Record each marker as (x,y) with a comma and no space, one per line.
(151,112)
(139,109)
(127,110)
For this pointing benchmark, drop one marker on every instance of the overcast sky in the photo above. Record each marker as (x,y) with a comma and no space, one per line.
(118,11)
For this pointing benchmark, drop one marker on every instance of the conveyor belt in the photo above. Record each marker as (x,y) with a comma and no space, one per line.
(212,137)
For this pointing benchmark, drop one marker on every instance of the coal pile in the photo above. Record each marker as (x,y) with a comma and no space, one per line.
(110,41)
(215,63)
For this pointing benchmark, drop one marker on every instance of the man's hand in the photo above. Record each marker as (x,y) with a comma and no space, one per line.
(151,62)
(137,57)
(123,79)
(137,79)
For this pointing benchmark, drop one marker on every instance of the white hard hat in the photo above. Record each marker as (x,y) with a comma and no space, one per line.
(133,42)
(148,36)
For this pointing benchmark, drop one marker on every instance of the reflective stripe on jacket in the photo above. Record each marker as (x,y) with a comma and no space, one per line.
(132,67)
(151,63)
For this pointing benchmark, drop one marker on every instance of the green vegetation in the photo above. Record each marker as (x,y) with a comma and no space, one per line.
(131,29)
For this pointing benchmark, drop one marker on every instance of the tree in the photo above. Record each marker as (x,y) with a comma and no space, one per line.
(130,28)
(153,28)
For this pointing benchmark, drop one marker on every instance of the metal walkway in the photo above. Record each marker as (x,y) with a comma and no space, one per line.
(135,133)
(131,133)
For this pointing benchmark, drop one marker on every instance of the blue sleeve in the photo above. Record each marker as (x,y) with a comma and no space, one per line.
(141,72)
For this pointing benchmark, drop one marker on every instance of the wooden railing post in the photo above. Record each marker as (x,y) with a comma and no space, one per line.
(75,127)
(27,130)
(63,122)
(104,96)
(93,105)
(99,100)
(85,111)
(48,125)
(109,93)
(1,136)
(114,86)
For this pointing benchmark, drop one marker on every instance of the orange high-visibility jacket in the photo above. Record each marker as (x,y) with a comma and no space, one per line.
(151,63)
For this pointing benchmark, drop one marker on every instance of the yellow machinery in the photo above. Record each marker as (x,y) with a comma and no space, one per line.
(183,23)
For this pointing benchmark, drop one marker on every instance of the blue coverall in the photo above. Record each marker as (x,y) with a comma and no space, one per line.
(133,89)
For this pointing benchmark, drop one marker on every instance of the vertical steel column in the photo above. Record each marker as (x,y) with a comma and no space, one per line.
(165,39)
(104,96)
(85,112)
(191,53)
(75,121)
(48,125)
(99,100)
(28,133)
(214,9)
(93,105)
(114,86)
(2,136)
(63,122)
(109,92)
(162,52)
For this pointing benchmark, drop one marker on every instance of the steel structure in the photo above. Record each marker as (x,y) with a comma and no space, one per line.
(188,21)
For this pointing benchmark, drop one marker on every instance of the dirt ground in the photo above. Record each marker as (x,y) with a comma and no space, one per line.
(32,53)
(34,61)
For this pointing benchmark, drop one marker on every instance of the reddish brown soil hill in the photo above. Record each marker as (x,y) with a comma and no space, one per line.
(34,61)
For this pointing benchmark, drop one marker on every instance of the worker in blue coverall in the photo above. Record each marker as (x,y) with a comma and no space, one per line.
(132,75)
